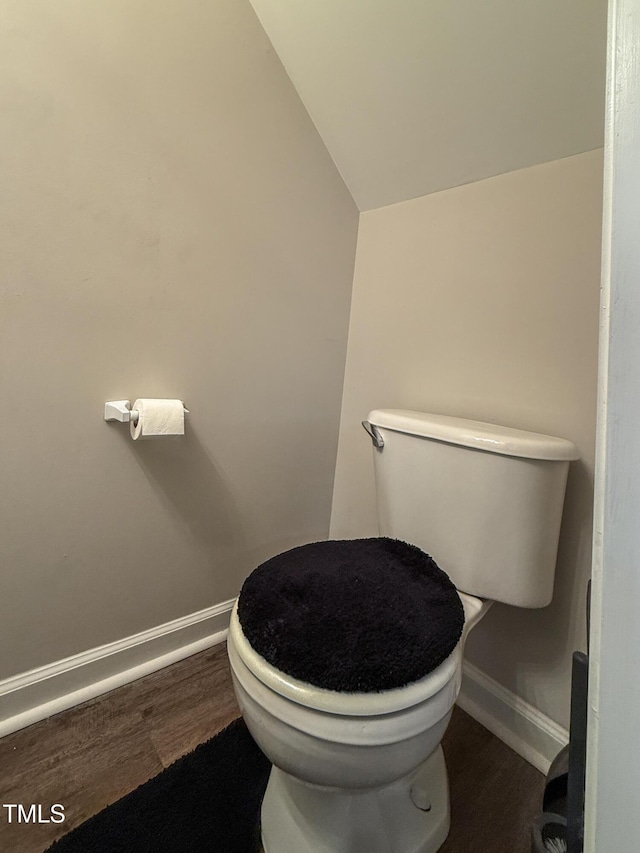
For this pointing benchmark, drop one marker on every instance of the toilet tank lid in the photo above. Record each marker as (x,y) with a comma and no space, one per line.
(490,437)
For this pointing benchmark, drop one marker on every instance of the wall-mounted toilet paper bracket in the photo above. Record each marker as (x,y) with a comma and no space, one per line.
(120,410)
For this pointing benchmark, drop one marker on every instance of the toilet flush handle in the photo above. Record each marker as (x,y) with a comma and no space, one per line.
(376,437)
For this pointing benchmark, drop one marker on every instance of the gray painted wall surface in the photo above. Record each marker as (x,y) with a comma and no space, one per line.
(172,226)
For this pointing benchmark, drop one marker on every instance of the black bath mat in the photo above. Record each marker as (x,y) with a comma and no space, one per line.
(207,802)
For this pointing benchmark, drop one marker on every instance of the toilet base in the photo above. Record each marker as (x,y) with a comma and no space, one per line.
(302,818)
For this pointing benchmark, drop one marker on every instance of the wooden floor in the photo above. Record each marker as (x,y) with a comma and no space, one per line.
(92,755)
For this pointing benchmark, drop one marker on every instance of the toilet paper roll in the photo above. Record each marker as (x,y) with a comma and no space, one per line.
(157,418)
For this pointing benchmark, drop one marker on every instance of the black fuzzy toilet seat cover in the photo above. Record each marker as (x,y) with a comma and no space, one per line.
(355,615)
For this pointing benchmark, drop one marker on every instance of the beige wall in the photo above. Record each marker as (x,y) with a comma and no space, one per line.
(482,302)
(171,226)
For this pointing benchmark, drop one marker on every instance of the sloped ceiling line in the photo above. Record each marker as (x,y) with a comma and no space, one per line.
(416,96)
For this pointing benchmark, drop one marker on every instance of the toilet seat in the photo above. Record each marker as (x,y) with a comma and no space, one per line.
(353,719)
(352,616)
(355,704)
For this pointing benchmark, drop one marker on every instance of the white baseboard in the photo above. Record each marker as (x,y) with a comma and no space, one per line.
(35,695)
(528,731)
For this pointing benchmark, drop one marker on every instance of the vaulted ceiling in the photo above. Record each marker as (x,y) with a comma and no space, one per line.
(415,96)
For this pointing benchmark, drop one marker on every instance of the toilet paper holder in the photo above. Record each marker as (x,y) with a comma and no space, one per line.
(120,410)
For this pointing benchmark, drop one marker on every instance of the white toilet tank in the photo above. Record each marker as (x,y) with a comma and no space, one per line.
(484,501)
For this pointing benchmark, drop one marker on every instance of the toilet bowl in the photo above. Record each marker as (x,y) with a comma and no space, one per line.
(361,769)
(349,766)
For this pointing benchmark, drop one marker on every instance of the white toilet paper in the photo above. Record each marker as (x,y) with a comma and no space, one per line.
(157,418)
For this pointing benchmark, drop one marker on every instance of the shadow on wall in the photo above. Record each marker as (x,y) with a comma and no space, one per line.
(574,554)
(186,481)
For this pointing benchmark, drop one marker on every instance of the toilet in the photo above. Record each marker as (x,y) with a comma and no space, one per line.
(346,656)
